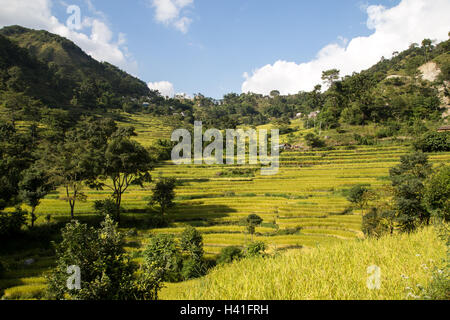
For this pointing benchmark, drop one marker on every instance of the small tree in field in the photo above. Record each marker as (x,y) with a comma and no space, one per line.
(191,243)
(69,165)
(252,222)
(34,186)
(164,194)
(359,195)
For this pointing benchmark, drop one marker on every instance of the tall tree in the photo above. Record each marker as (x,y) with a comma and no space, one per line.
(125,162)
(15,157)
(35,185)
(163,194)
(427,45)
(70,164)
(408,181)
(330,76)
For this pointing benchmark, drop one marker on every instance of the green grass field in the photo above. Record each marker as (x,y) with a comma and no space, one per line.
(306,193)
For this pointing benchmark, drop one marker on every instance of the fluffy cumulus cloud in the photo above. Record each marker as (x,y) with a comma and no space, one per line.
(164,87)
(395,29)
(169,12)
(94,36)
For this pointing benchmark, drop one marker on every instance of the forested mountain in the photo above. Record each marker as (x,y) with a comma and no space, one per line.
(42,70)
(54,70)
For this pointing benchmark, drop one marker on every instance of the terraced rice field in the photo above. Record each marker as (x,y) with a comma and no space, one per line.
(305,197)
(306,193)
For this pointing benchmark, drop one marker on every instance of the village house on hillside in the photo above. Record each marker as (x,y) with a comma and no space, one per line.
(313,114)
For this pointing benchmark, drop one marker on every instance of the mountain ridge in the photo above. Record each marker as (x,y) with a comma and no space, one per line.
(72,68)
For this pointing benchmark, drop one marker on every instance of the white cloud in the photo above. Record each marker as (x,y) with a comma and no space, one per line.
(169,12)
(183,24)
(97,40)
(395,29)
(164,87)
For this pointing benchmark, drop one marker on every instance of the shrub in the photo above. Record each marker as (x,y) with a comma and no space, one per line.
(193,268)
(373,225)
(314,141)
(364,140)
(191,242)
(11,222)
(437,193)
(163,254)
(238,172)
(256,248)
(385,133)
(433,142)
(286,232)
(229,254)
(106,270)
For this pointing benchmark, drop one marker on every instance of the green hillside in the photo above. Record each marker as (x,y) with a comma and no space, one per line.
(72,72)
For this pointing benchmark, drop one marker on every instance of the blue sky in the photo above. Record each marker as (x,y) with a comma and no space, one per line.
(207,45)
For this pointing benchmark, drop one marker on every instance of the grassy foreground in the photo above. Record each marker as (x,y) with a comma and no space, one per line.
(337,272)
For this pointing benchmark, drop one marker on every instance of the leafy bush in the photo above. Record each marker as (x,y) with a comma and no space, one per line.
(229,254)
(106,270)
(314,141)
(364,140)
(11,222)
(286,232)
(359,195)
(162,253)
(191,242)
(433,142)
(248,173)
(256,248)
(437,193)
(373,223)
(386,132)
(193,268)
